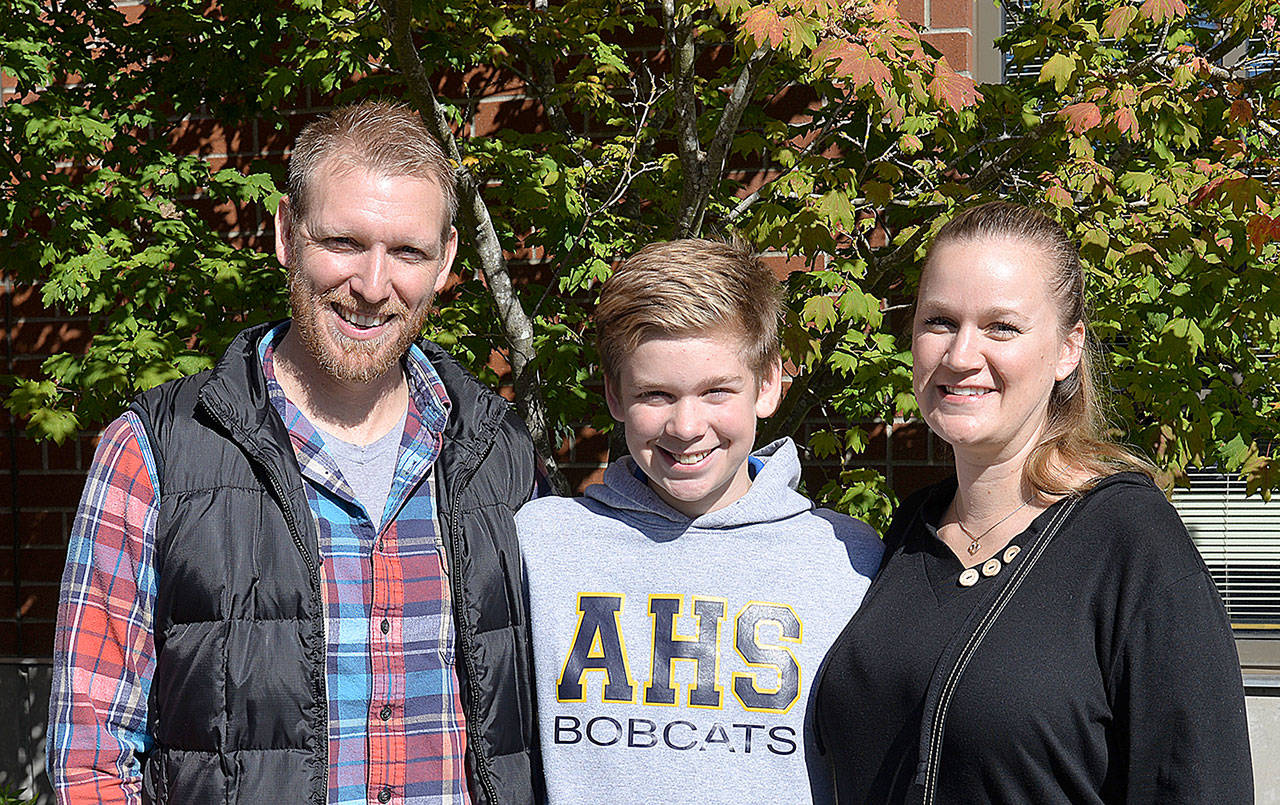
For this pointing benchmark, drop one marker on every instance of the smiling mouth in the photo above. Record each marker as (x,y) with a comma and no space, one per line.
(967,391)
(688,459)
(360,320)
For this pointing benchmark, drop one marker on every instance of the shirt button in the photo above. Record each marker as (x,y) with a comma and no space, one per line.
(384,795)
(385,626)
(384,715)
(969,577)
(991,567)
(1011,553)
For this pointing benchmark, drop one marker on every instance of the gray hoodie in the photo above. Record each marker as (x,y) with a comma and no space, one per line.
(674,659)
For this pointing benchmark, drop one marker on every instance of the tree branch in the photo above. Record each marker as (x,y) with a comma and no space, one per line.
(678,33)
(517,327)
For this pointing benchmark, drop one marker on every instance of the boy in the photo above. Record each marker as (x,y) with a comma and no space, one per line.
(681,608)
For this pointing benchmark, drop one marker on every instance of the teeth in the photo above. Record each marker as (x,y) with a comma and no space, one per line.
(965,391)
(361,320)
(690,458)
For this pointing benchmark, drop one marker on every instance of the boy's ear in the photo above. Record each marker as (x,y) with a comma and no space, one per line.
(770,395)
(611,399)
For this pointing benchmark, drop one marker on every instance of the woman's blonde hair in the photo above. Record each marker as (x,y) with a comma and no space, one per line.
(1076,449)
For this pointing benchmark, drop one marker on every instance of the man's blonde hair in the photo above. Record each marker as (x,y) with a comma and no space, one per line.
(690,287)
(388,139)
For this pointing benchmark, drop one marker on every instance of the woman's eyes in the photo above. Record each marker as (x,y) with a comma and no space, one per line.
(999,328)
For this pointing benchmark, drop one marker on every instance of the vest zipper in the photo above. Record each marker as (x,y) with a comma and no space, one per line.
(277,487)
(464,644)
(322,690)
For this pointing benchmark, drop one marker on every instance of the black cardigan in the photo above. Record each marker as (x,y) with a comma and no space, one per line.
(1111,675)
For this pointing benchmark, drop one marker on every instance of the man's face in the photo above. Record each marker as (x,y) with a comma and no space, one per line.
(364,265)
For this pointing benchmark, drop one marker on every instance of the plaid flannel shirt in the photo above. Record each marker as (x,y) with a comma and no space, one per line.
(395,713)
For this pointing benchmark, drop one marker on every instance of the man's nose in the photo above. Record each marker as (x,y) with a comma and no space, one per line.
(371,280)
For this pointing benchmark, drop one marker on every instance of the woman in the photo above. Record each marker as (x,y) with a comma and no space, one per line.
(1042,629)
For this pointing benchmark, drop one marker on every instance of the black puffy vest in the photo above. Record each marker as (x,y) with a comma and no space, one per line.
(238,706)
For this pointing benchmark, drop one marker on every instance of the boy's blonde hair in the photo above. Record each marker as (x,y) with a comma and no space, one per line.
(690,287)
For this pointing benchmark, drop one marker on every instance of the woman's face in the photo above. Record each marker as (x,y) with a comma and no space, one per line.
(987,347)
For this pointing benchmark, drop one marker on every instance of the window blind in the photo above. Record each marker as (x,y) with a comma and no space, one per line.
(1239,538)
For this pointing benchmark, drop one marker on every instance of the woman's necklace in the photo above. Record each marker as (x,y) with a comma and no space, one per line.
(975,542)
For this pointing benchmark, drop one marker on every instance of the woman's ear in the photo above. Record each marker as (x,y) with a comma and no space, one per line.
(1070,352)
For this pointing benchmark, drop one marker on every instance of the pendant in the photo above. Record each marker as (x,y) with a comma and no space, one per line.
(973,546)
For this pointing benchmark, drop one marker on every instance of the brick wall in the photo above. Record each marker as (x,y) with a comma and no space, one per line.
(45,480)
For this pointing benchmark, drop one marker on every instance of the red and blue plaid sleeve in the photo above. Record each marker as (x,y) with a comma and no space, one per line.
(104,650)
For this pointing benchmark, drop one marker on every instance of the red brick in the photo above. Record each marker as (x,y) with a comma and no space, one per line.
(26,367)
(951,14)
(478,83)
(30,453)
(9,644)
(278,136)
(48,337)
(66,456)
(38,529)
(590,447)
(908,479)
(49,490)
(37,640)
(580,478)
(912,10)
(37,603)
(790,102)
(782,264)
(225,215)
(876,441)
(516,113)
(28,304)
(37,566)
(909,443)
(956,47)
(132,11)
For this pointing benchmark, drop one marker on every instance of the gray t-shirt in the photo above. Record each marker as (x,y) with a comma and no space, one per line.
(369,469)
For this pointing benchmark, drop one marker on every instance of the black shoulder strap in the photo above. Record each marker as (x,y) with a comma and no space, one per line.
(955,657)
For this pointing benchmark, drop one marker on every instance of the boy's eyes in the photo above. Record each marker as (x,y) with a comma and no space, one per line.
(655,395)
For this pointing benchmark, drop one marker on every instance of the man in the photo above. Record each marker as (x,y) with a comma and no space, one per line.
(294,578)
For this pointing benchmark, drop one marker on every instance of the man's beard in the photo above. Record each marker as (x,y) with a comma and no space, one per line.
(345,359)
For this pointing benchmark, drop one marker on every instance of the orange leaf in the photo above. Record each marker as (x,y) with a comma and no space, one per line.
(951,88)
(856,63)
(1159,11)
(1262,230)
(1118,21)
(1080,117)
(764,25)
(1058,196)
(1126,122)
(1241,111)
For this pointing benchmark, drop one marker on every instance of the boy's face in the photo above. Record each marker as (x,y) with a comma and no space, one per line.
(690,404)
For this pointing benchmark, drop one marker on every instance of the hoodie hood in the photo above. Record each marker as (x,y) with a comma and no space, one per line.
(771,497)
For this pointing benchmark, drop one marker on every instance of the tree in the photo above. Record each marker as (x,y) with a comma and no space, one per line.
(822,129)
